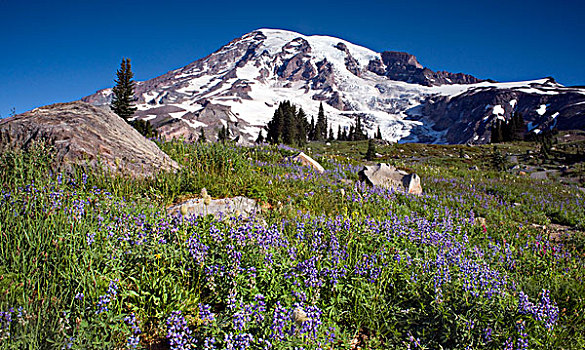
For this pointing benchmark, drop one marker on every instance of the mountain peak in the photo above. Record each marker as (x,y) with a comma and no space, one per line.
(240,85)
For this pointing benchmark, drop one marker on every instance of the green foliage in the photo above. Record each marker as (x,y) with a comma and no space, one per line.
(371,152)
(498,160)
(144,128)
(288,125)
(202,138)
(384,268)
(506,131)
(379,134)
(123,98)
(320,133)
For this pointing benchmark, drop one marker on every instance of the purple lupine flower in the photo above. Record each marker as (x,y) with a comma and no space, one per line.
(178,332)
(205,313)
(522,336)
(134,339)
(105,300)
(280,322)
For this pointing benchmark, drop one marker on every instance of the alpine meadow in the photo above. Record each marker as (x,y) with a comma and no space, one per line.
(293,191)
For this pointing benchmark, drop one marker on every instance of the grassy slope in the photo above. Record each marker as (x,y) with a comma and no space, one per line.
(81,254)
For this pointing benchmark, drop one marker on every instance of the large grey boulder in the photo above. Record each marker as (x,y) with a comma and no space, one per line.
(387,176)
(86,135)
(219,208)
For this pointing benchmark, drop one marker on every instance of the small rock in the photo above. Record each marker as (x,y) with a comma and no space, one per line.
(235,206)
(539,175)
(307,161)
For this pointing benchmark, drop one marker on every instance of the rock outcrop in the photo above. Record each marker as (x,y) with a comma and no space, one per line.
(86,135)
(387,176)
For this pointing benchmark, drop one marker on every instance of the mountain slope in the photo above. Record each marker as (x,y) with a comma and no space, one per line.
(240,85)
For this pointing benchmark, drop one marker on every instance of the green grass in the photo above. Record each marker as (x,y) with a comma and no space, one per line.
(368,265)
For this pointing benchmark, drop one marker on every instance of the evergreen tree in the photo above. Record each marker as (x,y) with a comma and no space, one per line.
(124,91)
(497,135)
(519,126)
(321,126)
(288,125)
(260,138)
(144,127)
(222,134)
(498,160)
(302,126)
(275,126)
(202,138)
(371,153)
(339,136)
(379,134)
(507,130)
(312,129)
(331,135)
(358,133)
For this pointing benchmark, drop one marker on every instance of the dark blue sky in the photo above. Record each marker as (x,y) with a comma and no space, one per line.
(57,51)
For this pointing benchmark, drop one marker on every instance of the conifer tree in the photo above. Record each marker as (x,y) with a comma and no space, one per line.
(371,153)
(288,125)
(222,134)
(379,134)
(321,125)
(519,126)
(312,129)
(275,126)
(122,101)
(260,138)
(358,133)
(302,125)
(202,138)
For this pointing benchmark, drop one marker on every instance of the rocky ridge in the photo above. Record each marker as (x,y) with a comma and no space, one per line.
(240,85)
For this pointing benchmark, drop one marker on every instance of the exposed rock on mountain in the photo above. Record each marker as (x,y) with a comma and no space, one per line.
(86,135)
(239,85)
(544,105)
(402,66)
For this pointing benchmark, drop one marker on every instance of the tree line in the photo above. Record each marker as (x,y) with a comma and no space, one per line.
(290,126)
(512,130)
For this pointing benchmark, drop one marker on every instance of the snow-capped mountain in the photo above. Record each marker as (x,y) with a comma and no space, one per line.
(241,84)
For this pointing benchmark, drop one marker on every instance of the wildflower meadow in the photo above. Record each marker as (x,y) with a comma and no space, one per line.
(90,260)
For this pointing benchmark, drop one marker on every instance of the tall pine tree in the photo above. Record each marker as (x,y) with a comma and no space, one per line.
(288,125)
(122,101)
(321,125)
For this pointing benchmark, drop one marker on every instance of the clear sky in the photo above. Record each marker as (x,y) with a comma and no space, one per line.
(58,51)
